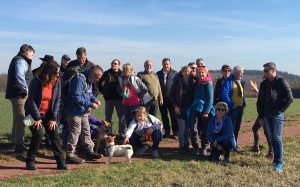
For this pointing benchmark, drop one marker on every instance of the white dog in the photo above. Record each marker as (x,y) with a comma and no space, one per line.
(118,150)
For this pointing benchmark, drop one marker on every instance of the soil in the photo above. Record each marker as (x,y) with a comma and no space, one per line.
(15,167)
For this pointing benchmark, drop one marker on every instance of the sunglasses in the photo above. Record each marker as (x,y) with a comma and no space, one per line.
(221,109)
(193,67)
(114,63)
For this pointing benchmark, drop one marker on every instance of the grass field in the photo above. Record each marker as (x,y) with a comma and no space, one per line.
(249,169)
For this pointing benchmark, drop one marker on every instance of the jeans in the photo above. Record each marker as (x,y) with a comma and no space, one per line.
(135,140)
(37,135)
(167,106)
(274,126)
(236,115)
(198,124)
(257,125)
(183,134)
(215,153)
(109,108)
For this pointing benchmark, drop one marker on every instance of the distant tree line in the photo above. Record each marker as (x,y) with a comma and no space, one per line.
(255,75)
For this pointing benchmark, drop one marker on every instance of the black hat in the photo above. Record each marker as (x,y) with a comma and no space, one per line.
(47,58)
(66,57)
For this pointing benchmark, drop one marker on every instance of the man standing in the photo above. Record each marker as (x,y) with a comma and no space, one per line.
(274,97)
(166,79)
(233,95)
(218,87)
(151,80)
(65,59)
(80,103)
(111,89)
(18,79)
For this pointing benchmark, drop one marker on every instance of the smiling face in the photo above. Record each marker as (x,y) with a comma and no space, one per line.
(141,116)
(202,74)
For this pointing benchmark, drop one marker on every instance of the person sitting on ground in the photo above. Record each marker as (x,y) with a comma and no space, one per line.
(220,133)
(144,127)
(43,105)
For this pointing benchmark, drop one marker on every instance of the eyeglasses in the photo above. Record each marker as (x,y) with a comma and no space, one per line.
(221,109)
(193,68)
(114,63)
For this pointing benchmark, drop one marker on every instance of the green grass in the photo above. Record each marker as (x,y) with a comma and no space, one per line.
(174,170)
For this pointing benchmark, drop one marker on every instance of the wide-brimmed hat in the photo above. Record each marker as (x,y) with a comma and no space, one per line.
(47,58)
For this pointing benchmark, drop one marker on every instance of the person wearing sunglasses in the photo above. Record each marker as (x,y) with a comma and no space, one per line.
(193,67)
(274,97)
(226,69)
(220,133)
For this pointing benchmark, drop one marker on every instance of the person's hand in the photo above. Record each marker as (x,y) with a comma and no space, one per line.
(24,95)
(38,124)
(90,110)
(126,140)
(205,114)
(177,110)
(98,102)
(95,106)
(253,86)
(51,125)
(161,102)
(215,143)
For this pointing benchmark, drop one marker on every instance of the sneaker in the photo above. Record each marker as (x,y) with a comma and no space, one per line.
(203,152)
(141,150)
(93,156)
(226,161)
(61,166)
(30,165)
(20,149)
(155,154)
(278,168)
(270,155)
(74,160)
(255,149)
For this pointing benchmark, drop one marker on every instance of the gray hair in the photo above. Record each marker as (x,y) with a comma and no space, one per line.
(237,69)
(96,69)
(270,65)
(222,105)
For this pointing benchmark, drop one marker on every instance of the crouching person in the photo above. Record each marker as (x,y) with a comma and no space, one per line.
(80,103)
(220,133)
(144,127)
(43,105)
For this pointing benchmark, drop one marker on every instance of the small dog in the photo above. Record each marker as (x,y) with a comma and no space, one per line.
(118,150)
(103,131)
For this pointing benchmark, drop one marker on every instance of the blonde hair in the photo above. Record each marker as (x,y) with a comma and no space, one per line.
(127,68)
(141,109)
(220,105)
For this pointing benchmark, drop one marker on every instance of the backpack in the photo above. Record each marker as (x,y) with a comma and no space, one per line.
(67,77)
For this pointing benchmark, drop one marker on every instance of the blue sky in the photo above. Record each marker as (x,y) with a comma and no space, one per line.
(234,32)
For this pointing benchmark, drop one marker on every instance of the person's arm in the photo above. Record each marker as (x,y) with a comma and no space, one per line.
(288,95)
(130,129)
(226,89)
(209,100)
(20,70)
(32,106)
(77,86)
(56,108)
(209,131)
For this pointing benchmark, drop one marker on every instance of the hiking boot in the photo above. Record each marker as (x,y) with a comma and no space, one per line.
(141,150)
(74,160)
(278,168)
(155,154)
(270,155)
(93,156)
(20,149)
(30,165)
(255,149)
(61,166)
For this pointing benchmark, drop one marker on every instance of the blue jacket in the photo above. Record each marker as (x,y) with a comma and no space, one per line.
(35,96)
(227,91)
(226,131)
(80,96)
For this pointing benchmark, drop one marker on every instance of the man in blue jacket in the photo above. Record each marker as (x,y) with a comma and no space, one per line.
(80,102)
(18,79)
(233,95)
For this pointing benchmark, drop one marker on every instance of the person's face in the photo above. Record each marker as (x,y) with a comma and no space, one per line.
(193,70)
(269,73)
(186,73)
(220,112)
(115,65)
(148,66)
(29,54)
(166,65)
(81,58)
(226,73)
(65,62)
(238,75)
(141,116)
(202,74)
(200,63)
(95,77)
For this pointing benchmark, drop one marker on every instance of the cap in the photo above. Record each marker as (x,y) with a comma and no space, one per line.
(66,57)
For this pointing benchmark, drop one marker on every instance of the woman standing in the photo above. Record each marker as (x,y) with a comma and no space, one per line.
(43,105)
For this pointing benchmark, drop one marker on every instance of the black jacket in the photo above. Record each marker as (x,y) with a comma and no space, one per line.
(166,89)
(274,97)
(218,90)
(109,85)
(35,96)
(13,87)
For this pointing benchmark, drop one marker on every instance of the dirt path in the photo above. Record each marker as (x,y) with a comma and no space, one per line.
(16,168)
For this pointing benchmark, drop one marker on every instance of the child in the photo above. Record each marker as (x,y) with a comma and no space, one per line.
(144,127)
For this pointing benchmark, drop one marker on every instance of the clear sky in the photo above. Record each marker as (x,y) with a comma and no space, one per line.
(234,32)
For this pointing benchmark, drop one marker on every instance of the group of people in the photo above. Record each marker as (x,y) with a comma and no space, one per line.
(200,113)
